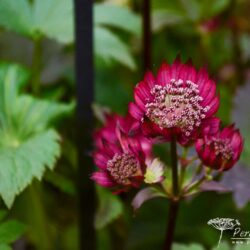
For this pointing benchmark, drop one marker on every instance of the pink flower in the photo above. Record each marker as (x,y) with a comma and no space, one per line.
(178,101)
(121,154)
(222,150)
(210,25)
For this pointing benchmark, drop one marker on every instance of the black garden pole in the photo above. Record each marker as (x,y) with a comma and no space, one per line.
(147,48)
(84,70)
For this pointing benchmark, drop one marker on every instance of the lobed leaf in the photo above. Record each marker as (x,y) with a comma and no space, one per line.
(27,145)
(109,47)
(118,17)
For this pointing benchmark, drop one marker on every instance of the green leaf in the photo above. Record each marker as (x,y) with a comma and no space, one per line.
(10,231)
(3,214)
(109,47)
(21,74)
(192,9)
(214,7)
(5,247)
(187,247)
(110,208)
(163,18)
(115,16)
(20,164)
(53,19)
(27,144)
(61,182)
(21,15)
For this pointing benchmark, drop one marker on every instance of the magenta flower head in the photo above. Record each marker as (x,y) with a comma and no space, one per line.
(222,150)
(175,102)
(120,156)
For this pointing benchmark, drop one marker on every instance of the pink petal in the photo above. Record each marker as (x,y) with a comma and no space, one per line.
(210,126)
(142,94)
(209,95)
(214,106)
(135,111)
(100,160)
(103,179)
(150,79)
(163,75)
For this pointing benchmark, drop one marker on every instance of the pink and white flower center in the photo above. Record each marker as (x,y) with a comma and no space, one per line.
(222,147)
(122,167)
(176,105)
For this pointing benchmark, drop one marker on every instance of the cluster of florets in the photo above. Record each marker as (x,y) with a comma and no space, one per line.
(178,103)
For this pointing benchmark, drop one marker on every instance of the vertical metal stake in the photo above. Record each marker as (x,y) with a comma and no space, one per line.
(84,70)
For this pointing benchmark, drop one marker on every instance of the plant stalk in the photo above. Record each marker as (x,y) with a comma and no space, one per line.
(174,202)
(174,163)
(172,218)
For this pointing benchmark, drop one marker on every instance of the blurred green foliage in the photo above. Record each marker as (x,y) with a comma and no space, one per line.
(35,126)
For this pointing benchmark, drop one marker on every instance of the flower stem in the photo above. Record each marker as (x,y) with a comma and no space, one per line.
(175,183)
(172,216)
(174,202)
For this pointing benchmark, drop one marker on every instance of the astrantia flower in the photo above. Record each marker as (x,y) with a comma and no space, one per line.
(222,150)
(175,102)
(120,157)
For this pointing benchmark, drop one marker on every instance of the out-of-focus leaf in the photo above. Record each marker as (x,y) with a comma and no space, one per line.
(240,115)
(192,9)
(22,74)
(244,44)
(5,247)
(53,19)
(3,214)
(225,108)
(162,18)
(10,231)
(237,179)
(21,15)
(226,246)
(61,182)
(145,195)
(109,47)
(187,247)
(110,208)
(212,8)
(115,16)
(27,145)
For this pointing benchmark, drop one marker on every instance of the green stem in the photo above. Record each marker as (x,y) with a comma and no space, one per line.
(36,66)
(38,219)
(196,184)
(174,202)
(175,182)
(182,175)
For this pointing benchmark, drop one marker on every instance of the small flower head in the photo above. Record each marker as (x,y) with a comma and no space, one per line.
(120,156)
(177,101)
(154,172)
(223,223)
(222,150)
